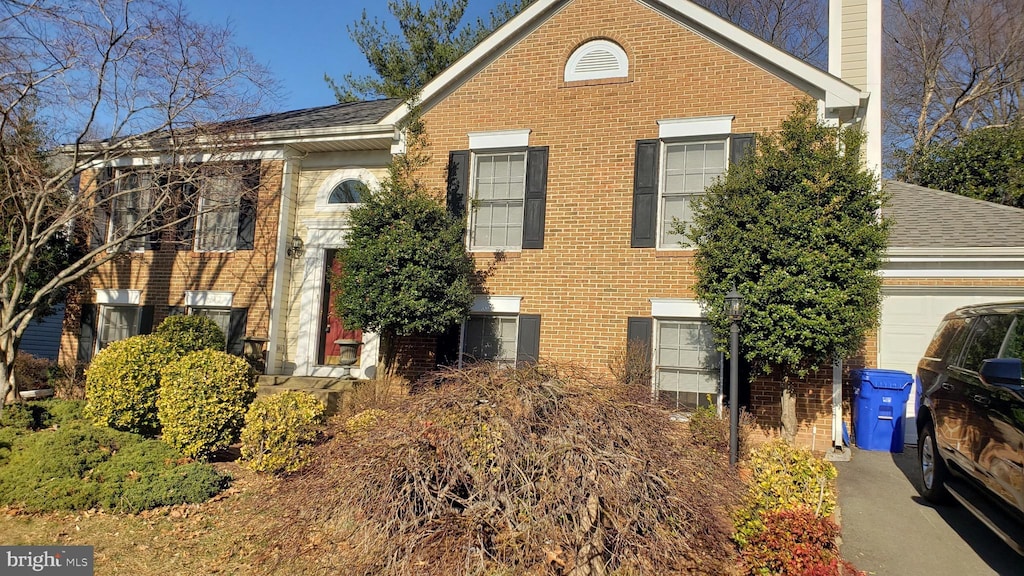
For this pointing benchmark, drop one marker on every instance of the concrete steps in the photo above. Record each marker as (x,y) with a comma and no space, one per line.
(333,392)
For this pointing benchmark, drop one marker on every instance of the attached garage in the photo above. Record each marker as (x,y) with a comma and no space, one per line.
(946,251)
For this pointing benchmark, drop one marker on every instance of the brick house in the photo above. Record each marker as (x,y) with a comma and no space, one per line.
(256,263)
(572,136)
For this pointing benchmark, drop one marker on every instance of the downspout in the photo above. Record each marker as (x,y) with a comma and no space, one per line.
(278,316)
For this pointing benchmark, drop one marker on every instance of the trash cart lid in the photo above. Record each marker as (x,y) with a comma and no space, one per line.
(882,378)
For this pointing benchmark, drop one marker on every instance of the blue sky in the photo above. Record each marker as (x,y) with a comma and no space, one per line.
(300,40)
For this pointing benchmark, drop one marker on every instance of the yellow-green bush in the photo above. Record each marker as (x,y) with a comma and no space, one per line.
(784,478)
(191,333)
(364,421)
(202,401)
(122,382)
(279,431)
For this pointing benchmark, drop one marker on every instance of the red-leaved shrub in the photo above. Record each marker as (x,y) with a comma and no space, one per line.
(795,542)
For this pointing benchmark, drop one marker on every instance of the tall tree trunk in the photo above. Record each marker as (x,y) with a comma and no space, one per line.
(388,353)
(789,421)
(8,384)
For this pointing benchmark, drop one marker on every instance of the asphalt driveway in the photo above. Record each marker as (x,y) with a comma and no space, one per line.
(888,529)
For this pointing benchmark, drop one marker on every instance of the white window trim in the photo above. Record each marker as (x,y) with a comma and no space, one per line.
(662,153)
(676,308)
(323,193)
(622,61)
(484,304)
(473,195)
(498,139)
(493,314)
(703,127)
(683,306)
(208,299)
(119,297)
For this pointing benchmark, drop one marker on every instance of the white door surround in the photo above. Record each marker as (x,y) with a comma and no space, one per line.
(322,235)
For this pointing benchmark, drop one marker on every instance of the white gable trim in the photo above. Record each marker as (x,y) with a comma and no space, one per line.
(834,92)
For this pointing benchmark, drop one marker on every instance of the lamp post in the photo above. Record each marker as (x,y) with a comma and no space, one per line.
(734,309)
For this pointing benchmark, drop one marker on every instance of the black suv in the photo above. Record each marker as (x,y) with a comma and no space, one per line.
(970,422)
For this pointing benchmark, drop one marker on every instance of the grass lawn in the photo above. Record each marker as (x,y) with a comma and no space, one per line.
(222,536)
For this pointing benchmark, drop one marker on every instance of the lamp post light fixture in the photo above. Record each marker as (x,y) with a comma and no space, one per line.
(734,309)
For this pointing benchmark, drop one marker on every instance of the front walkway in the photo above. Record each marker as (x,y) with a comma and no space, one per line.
(889,530)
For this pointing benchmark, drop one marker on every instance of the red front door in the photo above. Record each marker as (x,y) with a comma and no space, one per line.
(331,328)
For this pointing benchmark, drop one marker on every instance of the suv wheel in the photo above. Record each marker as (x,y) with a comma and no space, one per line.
(933,469)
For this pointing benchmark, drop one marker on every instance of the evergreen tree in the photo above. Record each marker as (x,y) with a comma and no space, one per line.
(795,228)
(405,269)
(430,41)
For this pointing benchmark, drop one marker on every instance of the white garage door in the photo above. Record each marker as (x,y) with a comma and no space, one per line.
(909,319)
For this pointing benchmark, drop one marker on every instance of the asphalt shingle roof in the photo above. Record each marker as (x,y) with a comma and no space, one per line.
(347,114)
(928,218)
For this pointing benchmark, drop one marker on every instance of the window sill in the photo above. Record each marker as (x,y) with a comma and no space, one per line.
(496,254)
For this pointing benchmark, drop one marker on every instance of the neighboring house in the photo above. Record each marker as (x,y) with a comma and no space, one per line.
(573,136)
(946,251)
(255,254)
(42,337)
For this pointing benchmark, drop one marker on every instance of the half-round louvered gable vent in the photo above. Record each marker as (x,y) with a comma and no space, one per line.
(595,60)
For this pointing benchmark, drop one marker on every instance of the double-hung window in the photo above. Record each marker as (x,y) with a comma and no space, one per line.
(491,338)
(687,373)
(689,168)
(496,331)
(219,204)
(222,316)
(674,170)
(502,183)
(116,323)
(129,206)
(499,187)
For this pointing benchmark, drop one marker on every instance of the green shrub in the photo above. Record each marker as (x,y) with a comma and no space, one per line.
(784,477)
(22,416)
(60,412)
(279,430)
(364,421)
(80,466)
(191,333)
(202,401)
(122,382)
(709,429)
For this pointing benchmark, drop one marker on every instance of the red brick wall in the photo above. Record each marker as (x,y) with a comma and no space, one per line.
(587,280)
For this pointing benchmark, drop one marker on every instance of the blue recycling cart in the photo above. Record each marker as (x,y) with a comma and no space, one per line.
(879,408)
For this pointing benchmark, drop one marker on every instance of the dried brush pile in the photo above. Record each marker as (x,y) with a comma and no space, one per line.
(494,471)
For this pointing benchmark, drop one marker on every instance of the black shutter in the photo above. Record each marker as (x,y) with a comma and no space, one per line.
(186,217)
(645,194)
(146,319)
(640,331)
(236,330)
(447,346)
(528,345)
(740,146)
(458,182)
(247,208)
(87,333)
(101,208)
(536,197)
(156,223)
